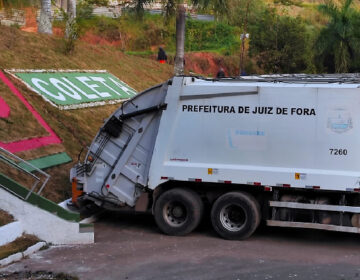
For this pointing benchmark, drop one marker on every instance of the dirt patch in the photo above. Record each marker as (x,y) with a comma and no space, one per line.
(5,218)
(18,245)
(30,20)
(44,275)
(208,64)
(91,38)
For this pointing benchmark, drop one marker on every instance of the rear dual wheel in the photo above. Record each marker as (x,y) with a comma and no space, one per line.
(178,211)
(235,215)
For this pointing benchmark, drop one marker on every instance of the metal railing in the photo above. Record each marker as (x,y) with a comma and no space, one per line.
(13,161)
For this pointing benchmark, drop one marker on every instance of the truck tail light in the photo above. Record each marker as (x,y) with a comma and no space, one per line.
(75,191)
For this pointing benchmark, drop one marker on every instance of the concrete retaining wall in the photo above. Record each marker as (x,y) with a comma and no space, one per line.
(9,232)
(45,225)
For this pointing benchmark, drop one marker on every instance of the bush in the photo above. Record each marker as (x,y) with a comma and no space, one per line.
(108,28)
(280,44)
(202,35)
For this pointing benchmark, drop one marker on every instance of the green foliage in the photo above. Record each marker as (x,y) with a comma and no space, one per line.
(84,10)
(338,44)
(154,31)
(288,2)
(138,7)
(18,3)
(169,8)
(73,31)
(279,43)
(108,28)
(240,12)
(97,2)
(141,35)
(201,35)
(140,53)
(70,41)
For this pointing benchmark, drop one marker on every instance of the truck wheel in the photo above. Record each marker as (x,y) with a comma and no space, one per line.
(235,215)
(178,211)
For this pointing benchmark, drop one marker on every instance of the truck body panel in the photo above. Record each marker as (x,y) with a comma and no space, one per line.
(273,134)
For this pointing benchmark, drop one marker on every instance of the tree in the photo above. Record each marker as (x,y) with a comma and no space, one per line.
(45,24)
(337,46)
(279,43)
(177,7)
(239,13)
(71,20)
(138,7)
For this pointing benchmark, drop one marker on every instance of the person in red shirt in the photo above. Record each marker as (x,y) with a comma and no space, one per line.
(162,57)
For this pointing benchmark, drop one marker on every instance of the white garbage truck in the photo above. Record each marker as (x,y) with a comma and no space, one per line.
(283,149)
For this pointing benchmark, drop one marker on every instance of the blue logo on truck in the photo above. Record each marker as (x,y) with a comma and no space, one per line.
(339,121)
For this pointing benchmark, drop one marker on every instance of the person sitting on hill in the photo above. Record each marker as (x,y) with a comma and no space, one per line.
(162,57)
(220,73)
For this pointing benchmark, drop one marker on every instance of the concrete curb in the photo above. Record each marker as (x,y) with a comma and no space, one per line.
(10,259)
(18,256)
(9,232)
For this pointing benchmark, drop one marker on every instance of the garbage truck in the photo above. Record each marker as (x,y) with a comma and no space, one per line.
(280,149)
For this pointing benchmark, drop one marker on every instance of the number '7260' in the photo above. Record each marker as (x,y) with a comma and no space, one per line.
(338,152)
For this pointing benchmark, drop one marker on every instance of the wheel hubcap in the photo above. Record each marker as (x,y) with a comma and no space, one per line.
(233,217)
(175,213)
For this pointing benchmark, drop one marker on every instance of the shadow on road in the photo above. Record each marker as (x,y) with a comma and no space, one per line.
(145,223)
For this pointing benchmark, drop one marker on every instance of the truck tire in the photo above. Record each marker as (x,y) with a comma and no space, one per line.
(235,215)
(178,211)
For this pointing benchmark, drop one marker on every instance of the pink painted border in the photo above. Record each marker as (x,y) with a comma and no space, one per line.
(32,143)
(4,109)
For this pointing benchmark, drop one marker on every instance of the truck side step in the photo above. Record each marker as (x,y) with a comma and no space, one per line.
(274,223)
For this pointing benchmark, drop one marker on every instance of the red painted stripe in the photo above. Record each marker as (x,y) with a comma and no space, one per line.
(356,190)
(316,187)
(164,178)
(32,143)
(257,184)
(227,182)
(286,185)
(198,180)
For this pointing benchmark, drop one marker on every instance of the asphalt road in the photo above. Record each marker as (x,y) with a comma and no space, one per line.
(131,247)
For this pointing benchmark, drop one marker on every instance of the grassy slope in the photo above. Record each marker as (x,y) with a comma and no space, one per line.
(18,245)
(76,127)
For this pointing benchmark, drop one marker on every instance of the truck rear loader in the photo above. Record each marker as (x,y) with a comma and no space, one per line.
(280,149)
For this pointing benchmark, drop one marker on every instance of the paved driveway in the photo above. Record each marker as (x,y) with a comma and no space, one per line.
(131,247)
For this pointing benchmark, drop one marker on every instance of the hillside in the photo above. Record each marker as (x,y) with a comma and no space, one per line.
(76,128)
